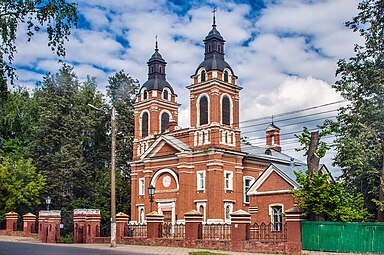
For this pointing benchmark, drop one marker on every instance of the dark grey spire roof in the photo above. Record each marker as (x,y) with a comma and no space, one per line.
(214,51)
(156,73)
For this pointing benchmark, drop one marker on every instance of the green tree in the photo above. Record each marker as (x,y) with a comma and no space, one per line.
(20,186)
(70,143)
(360,135)
(122,90)
(323,198)
(56,16)
(17,116)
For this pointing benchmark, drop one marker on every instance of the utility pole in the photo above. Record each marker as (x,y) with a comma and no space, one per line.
(312,159)
(113,179)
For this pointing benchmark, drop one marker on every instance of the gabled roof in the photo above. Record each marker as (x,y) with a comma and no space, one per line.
(165,139)
(286,172)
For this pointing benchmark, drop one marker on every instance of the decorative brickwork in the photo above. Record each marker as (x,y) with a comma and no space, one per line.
(49,226)
(86,225)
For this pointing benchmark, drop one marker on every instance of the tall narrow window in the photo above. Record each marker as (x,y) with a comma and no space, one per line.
(226,76)
(200,175)
(141,186)
(164,121)
(145,95)
(144,124)
(247,185)
(203,110)
(226,110)
(165,94)
(228,180)
(202,75)
(277,218)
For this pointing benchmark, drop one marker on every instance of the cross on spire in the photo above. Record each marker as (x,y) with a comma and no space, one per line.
(156,45)
(272,119)
(214,17)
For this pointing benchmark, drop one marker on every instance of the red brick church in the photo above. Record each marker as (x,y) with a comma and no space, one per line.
(205,167)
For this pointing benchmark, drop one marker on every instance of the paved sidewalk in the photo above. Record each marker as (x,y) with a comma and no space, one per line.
(158,250)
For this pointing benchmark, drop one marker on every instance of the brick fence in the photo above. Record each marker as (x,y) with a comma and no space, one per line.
(238,235)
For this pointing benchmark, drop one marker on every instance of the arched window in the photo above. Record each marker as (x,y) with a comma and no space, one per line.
(145,95)
(226,76)
(209,48)
(159,69)
(202,75)
(226,111)
(164,121)
(203,104)
(165,94)
(144,124)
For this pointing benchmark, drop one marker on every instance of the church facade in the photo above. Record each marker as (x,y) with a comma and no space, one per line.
(205,167)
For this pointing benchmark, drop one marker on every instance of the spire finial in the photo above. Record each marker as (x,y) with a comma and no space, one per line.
(156,45)
(214,17)
(272,119)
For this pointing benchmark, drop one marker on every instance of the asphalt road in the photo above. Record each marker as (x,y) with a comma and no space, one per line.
(17,248)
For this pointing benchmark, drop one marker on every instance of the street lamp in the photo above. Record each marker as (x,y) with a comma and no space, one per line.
(151,192)
(48,202)
(113,182)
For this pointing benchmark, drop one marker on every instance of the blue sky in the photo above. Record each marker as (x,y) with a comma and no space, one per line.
(284,52)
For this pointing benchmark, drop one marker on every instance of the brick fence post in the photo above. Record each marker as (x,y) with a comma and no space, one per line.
(29,221)
(79,232)
(93,224)
(239,227)
(11,222)
(49,226)
(86,225)
(154,223)
(121,226)
(294,219)
(193,219)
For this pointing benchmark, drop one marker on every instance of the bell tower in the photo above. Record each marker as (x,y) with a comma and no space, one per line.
(214,97)
(155,106)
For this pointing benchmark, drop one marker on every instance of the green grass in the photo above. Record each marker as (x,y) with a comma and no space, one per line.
(205,253)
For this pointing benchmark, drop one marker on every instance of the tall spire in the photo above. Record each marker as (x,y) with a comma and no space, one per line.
(214,17)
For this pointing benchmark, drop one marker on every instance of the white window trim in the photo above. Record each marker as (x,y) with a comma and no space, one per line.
(271,212)
(198,188)
(141,187)
(252,179)
(204,205)
(141,123)
(170,118)
(142,94)
(199,74)
(198,109)
(230,108)
(230,182)
(169,94)
(230,204)
(139,218)
(229,75)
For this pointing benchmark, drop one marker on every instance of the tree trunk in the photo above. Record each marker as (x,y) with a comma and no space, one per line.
(312,159)
(380,213)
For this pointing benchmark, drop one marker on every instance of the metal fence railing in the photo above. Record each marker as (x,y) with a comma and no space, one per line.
(173,231)
(267,232)
(136,230)
(216,231)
